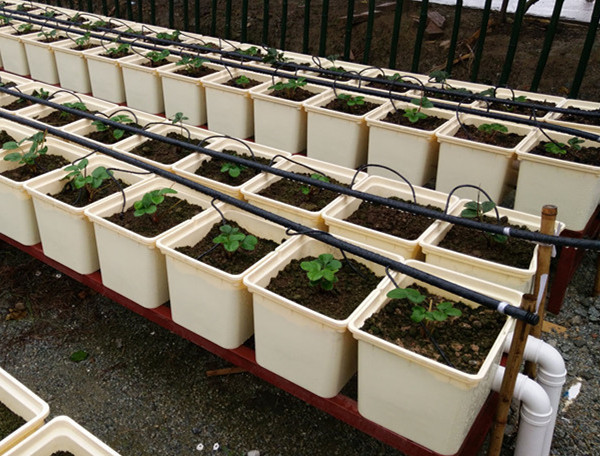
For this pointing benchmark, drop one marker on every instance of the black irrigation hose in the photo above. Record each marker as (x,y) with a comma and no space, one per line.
(499,116)
(521,234)
(494,304)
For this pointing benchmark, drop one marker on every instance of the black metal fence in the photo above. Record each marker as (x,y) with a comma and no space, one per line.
(309,26)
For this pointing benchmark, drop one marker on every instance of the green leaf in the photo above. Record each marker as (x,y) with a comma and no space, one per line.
(487,206)
(15,156)
(78,356)
(249,242)
(418,314)
(10,145)
(453,312)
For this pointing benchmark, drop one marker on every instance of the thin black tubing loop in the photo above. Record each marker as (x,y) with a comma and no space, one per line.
(68,92)
(168,124)
(243,143)
(527,235)
(310,168)
(458,187)
(376,165)
(322,70)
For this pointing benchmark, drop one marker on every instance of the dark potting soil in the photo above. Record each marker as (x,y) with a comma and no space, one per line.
(59,118)
(539,112)
(465,340)
(153,64)
(195,72)
(172,211)
(107,137)
(211,169)
(339,71)
(290,192)
(82,197)
(163,152)
(459,96)
(348,292)
(514,252)
(9,421)
(84,47)
(230,262)
(385,85)
(210,46)
(8,85)
(585,155)
(53,39)
(298,94)
(116,55)
(391,221)
(22,102)
(62,453)
(248,85)
(357,110)
(5,137)
(582,118)
(25,32)
(472,133)
(43,164)
(429,123)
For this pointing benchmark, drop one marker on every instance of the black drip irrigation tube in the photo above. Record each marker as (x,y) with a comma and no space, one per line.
(43,21)
(511,232)
(486,301)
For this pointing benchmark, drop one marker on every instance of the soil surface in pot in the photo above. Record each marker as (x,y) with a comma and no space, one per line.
(211,169)
(524,110)
(294,193)
(107,136)
(337,76)
(581,118)
(163,152)
(585,155)
(25,32)
(62,453)
(386,85)
(172,211)
(116,55)
(198,72)
(392,221)
(215,255)
(60,118)
(246,85)
(84,47)
(514,252)
(357,110)
(497,138)
(465,340)
(23,103)
(298,94)
(153,64)
(43,164)
(52,39)
(9,421)
(459,95)
(399,118)
(82,197)
(355,282)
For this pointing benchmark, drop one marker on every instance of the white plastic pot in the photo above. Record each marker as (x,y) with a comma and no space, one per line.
(184,94)
(207,300)
(130,263)
(573,187)
(579,104)
(67,235)
(106,77)
(412,152)
(279,122)
(427,402)
(531,97)
(27,89)
(312,350)
(507,276)
(229,109)
(72,66)
(344,206)
(303,165)
(462,161)
(17,217)
(23,402)
(40,57)
(337,137)
(191,163)
(8,77)
(452,84)
(14,57)
(62,434)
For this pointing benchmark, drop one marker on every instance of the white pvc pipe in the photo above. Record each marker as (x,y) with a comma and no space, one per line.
(536,413)
(551,376)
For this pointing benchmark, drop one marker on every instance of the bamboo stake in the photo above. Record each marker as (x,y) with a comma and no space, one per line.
(541,277)
(513,366)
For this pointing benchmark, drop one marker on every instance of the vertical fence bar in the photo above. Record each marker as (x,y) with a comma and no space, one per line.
(80,5)
(90,6)
(512,45)
(550,33)
(419,38)
(196,16)
(171,14)
(306,26)
(117,9)
(369,32)
(349,23)
(104,8)
(284,12)
(324,21)
(244,34)
(265,33)
(186,16)
(586,51)
(213,19)
(129,9)
(70,2)
(140,11)
(485,17)
(454,38)
(153,12)
(59,3)
(228,19)
(396,32)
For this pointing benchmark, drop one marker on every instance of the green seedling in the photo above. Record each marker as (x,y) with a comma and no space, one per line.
(36,149)
(77,105)
(49,13)
(415,114)
(174,36)
(79,179)
(150,202)
(439,76)
(232,239)
(178,118)
(191,63)
(561,148)
(351,100)
(118,51)
(441,312)
(24,28)
(84,40)
(476,210)
(95,25)
(321,271)
(395,77)
(117,132)
(273,57)
(289,87)
(157,57)
(242,80)
(48,36)
(306,189)
(233,169)
(251,51)
(4,20)
(491,129)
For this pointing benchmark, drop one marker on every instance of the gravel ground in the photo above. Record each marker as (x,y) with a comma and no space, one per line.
(144,391)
